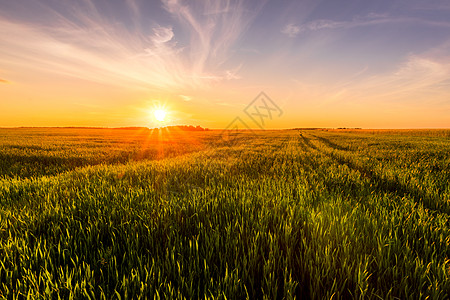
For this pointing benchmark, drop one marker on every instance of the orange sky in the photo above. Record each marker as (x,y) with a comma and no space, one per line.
(87,63)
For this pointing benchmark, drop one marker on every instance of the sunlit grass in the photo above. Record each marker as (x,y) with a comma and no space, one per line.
(283,214)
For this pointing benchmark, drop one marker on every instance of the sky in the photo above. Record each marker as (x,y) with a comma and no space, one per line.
(319,63)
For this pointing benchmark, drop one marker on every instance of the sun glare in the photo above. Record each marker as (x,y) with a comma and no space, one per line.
(160,115)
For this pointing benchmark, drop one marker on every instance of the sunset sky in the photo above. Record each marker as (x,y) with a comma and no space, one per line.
(330,63)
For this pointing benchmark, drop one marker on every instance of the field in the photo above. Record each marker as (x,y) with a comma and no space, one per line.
(134,214)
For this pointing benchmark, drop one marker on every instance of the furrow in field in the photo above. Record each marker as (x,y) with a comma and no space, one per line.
(380,181)
(331,144)
(307,142)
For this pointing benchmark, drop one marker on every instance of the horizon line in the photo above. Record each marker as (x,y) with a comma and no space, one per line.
(244,129)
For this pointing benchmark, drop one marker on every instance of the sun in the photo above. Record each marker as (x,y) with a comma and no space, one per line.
(160,115)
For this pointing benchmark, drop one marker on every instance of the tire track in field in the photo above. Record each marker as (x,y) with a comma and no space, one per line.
(295,142)
(382,183)
(332,144)
(307,142)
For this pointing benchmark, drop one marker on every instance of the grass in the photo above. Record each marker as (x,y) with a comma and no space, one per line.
(97,213)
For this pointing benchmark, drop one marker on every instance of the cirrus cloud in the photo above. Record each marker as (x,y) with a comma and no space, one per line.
(85,42)
(162,35)
(291,30)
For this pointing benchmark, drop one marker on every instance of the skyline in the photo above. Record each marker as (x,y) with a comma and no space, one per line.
(348,63)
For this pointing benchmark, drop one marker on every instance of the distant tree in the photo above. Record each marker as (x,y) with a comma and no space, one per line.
(188,127)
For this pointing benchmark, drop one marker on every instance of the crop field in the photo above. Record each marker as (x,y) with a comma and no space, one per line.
(137,214)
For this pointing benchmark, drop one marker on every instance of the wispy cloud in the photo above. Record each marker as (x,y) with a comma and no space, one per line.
(213,28)
(185,98)
(97,53)
(3,81)
(233,74)
(293,30)
(417,76)
(370,19)
(426,73)
(420,80)
(88,44)
(162,35)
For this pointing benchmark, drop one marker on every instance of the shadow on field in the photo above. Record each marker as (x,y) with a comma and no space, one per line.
(382,184)
(307,142)
(395,186)
(26,148)
(31,165)
(332,144)
(302,143)
(36,165)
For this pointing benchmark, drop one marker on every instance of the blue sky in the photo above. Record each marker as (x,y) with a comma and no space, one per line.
(346,63)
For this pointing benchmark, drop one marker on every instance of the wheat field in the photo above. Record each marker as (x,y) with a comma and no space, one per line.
(138,213)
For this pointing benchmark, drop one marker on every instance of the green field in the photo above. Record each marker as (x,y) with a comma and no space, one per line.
(129,214)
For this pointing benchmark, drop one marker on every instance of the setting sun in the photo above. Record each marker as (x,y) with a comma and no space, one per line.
(236,148)
(160,115)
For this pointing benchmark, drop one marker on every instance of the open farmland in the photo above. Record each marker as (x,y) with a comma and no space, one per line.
(102,213)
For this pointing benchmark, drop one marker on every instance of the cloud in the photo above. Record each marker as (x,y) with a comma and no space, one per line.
(324,24)
(84,41)
(100,54)
(291,30)
(230,75)
(213,28)
(370,19)
(162,35)
(185,98)
(3,81)
(419,80)
(418,75)
(225,104)
(233,74)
